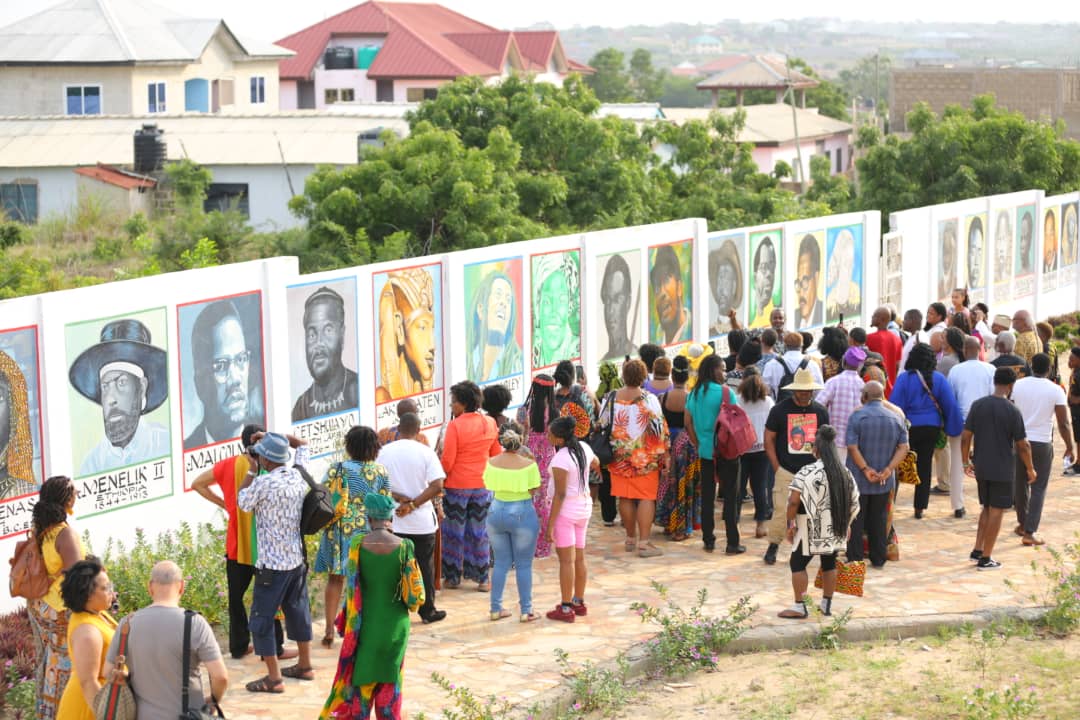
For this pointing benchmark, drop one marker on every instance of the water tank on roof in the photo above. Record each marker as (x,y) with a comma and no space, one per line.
(365,56)
(150,149)
(338,58)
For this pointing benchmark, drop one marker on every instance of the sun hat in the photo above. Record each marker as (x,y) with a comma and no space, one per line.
(804,380)
(1003,320)
(274,447)
(125,345)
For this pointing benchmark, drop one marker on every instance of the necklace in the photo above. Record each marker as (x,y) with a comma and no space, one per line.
(323,407)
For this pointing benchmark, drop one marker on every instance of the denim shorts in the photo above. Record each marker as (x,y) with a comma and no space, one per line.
(287,590)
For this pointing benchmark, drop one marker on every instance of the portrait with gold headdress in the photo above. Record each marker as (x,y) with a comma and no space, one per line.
(407,329)
(18,402)
(556,308)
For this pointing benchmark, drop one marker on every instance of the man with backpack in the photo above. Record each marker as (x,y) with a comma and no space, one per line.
(781,371)
(790,431)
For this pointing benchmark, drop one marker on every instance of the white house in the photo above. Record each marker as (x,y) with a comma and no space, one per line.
(124,57)
(260,162)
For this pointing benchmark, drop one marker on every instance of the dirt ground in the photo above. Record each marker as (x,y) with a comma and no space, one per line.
(914,679)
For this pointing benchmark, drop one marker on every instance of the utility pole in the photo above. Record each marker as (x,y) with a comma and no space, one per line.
(790,94)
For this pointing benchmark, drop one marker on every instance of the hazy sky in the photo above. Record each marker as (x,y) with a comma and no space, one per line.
(273,20)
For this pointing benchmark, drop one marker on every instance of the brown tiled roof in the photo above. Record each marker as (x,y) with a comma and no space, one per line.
(114,176)
(757,72)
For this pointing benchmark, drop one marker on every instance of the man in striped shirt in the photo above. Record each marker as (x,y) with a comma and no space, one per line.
(842,396)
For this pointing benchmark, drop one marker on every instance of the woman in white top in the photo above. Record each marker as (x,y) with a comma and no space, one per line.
(755,400)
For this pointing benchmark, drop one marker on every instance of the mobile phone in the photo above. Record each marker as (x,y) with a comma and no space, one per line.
(841,318)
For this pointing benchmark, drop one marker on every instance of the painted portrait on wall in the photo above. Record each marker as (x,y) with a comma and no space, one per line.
(1050,241)
(493,320)
(726,255)
(975,232)
(948,250)
(1025,241)
(619,280)
(766,275)
(322,348)
(1003,245)
(221,368)
(1068,234)
(20,417)
(810,280)
(408,330)
(670,292)
(556,307)
(844,280)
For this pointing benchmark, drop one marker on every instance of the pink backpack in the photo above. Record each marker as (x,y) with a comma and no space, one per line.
(734,433)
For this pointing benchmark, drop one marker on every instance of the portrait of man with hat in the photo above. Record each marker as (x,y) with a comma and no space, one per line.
(725,283)
(334,387)
(126,374)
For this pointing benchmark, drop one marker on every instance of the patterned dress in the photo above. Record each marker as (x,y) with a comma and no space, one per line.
(542,453)
(679,508)
(48,625)
(639,438)
(360,478)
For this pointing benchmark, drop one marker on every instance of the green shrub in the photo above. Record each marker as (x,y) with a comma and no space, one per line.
(12,233)
(199,552)
(1061,594)
(18,656)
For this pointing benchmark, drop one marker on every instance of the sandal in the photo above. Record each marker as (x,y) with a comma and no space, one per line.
(298,673)
(649,551)
(631,544)
(328,641)
(679,537)
(797,611)
(500,614)
(483,587)
(528,617)
(266,685)
(449,585)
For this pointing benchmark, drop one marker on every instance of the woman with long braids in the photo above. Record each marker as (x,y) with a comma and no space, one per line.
(538,411)
(930,406)
(822,504)
(571,508)
(61,549)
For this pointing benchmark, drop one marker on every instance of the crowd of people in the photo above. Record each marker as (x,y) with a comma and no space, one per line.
(932,399)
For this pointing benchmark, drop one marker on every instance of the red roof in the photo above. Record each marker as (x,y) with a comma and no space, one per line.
(114,176)
(722,63)
(421,40)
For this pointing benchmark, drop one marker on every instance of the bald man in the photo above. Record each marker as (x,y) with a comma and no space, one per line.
(155,642)
(389,434)
(877,441)
(1027,342)
(970,380)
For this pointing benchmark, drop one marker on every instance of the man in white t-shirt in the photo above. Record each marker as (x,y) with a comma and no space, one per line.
(1039,400)
(970,380)
(416,477)
(913,327)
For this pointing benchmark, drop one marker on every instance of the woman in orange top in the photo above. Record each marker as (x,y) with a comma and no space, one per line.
(471,438)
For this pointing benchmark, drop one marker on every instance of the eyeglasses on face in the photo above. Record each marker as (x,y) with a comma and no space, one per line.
(223,365)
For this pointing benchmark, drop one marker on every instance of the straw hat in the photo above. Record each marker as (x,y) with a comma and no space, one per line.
(804,380)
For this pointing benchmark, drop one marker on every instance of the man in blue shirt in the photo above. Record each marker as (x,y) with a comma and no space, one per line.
(877,441)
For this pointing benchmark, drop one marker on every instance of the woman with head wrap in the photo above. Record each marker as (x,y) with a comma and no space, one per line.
(535,415)
(512,524)
(822,504)
(928,402)
(384,587)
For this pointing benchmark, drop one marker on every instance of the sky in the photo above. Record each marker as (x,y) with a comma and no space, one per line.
(256,19)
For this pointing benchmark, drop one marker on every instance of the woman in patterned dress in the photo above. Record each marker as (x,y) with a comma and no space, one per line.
(639,437)
(535,415)
(61,549)
(678,508)
(349,482)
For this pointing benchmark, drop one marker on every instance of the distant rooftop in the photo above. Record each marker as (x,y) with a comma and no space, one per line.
(768,124)
(116,31)
(758,72)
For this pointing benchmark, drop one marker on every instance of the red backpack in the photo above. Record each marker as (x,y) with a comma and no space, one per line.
(734,433)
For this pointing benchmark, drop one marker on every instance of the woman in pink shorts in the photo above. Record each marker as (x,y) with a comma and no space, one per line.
(571,508)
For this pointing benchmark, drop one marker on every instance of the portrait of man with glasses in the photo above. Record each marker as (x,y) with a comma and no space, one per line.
(226,371)
(811,310)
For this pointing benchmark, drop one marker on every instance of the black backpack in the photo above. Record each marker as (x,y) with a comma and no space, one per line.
(318,511)
(787,378)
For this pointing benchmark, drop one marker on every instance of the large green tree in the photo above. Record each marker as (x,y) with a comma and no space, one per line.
(965,153)
(829,98)
(610,81)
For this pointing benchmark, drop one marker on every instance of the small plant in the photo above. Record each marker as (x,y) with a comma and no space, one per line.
(19,693)
(466,705)
(1061,592)
(1009,703)
(12,233)
(595,688)
(830,634)
(18,656)
(689,639)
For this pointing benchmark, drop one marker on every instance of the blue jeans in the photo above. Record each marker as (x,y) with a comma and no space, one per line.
(512,530)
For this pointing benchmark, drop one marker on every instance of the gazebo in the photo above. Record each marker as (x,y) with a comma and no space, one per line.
(758,72)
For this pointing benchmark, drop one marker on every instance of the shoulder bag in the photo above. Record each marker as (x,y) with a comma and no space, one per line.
(115,700)
(205,712)
(600,438)
(942,439)
(318,510)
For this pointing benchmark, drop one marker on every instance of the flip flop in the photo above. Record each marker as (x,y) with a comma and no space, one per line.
(631,545)
(265,685)
(500,614)
(529,617)
(298,673)
(649,551)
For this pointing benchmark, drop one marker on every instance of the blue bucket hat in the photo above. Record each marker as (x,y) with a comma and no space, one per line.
(274,447)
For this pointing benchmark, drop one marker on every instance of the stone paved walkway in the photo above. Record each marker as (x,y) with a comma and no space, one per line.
(513,660)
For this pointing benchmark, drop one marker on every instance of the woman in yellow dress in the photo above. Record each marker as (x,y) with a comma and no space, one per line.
(88,594)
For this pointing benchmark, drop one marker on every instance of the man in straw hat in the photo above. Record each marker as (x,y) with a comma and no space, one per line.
(789,436)
(126,375)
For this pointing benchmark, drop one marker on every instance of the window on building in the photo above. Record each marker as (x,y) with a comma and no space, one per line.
(83,99)
(19,201)
(227,196)
(384,91)
(839,160)
(347,94)
(333,95)
(415,95)
(330,96)
(155,97)
(258,90)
